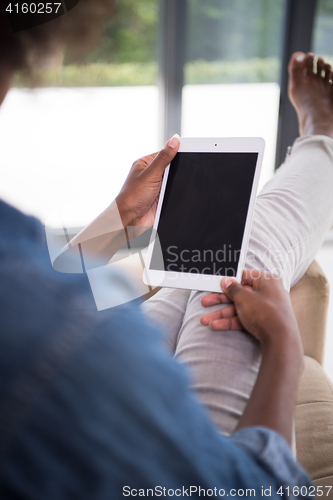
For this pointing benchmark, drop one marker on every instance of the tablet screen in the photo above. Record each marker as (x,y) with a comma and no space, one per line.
(204,213)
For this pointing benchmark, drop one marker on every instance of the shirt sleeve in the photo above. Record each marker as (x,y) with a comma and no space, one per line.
(274,454)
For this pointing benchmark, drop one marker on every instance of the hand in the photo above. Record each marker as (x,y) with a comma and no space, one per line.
(138,198)
(261,305)
(224,319)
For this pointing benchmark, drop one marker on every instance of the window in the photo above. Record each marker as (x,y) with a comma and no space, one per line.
(73,141)
(232,71)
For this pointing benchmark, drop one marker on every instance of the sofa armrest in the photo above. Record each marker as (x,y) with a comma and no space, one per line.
(309,298)
(314,424)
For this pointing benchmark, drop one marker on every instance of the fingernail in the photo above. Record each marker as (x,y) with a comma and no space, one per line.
(174,141)
(300,58)
(226,283)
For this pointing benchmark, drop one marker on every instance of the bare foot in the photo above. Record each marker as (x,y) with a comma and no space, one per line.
(311,94)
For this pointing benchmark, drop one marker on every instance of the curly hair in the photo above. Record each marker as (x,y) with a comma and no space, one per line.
(78,31)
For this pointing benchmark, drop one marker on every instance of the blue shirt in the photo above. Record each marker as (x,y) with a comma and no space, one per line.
(92,407)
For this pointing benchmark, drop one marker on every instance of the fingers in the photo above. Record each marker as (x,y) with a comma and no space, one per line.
(249,276)
(253,277)
(231,288)
(163,158)
(227,312)
(214,298)
(226,324)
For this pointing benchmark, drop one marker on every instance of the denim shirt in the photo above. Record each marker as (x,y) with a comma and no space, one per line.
(91,405)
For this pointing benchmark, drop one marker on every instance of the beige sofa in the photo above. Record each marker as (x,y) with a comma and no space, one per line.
(314,409)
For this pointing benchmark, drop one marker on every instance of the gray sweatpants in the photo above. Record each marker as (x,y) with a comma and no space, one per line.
(293,214)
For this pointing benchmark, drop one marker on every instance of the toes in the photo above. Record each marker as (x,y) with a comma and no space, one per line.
(328,73)
(297,65)
(309,63)
(320,67)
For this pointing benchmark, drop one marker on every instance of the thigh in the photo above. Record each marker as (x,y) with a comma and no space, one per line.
(224,365)
(167,308)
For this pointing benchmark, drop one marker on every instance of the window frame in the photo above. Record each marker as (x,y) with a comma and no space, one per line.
(298,33)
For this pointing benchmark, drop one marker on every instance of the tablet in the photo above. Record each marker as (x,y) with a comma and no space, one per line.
(204,213)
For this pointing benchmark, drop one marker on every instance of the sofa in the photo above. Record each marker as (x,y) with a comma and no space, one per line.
(314,406)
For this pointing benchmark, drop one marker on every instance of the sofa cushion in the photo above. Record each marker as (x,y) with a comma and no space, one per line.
(309,298)
(314,424)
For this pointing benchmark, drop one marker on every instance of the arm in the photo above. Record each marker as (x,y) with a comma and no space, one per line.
(264,309)
(272,401)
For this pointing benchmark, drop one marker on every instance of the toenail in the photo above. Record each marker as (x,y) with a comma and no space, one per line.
(300,57)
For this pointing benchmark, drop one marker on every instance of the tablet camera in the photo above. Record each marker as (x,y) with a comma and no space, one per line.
(215,144)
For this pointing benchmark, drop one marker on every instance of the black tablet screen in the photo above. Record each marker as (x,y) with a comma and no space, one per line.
(204,212)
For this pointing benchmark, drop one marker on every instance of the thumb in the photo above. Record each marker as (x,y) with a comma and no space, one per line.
(163,158)
(231,288)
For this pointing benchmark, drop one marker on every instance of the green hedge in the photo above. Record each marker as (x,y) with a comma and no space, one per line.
(198,72)
(93,75)
(248,71)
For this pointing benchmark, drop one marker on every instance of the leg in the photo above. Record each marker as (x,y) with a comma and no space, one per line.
(293,213)
(167,308)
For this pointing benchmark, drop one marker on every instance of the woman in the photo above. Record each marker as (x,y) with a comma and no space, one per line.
(92,406)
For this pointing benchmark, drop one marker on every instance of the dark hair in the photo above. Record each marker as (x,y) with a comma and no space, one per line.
(78,30)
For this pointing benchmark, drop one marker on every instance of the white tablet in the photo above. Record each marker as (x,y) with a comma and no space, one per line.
(204,213)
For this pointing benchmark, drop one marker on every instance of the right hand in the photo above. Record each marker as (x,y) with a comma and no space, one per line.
(263,306)
(138,199)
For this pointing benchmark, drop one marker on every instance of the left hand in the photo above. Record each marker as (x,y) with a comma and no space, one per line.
(138,198)
(223,319)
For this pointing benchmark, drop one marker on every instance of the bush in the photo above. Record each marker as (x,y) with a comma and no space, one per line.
(128,74)
(246,71)
(94,75)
